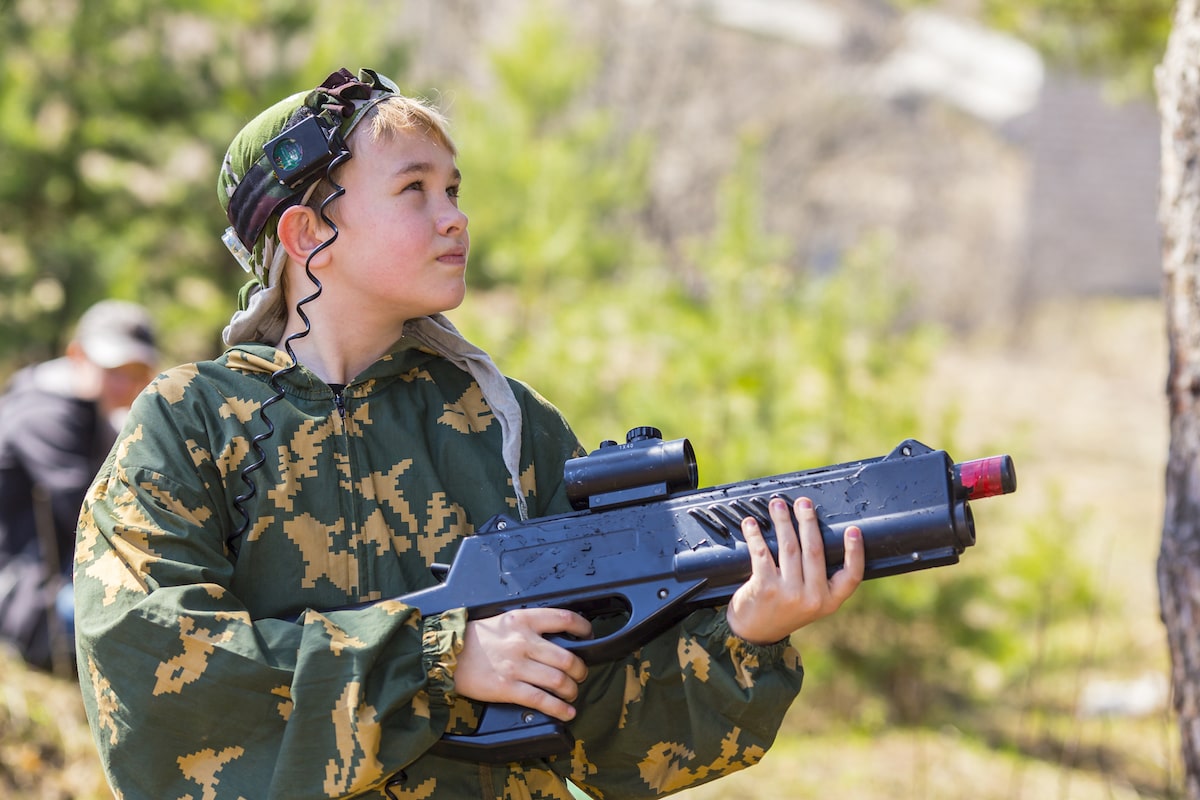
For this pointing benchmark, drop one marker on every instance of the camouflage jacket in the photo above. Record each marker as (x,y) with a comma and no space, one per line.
(209,669)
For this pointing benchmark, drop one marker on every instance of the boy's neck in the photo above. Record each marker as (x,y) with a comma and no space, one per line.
(337,353)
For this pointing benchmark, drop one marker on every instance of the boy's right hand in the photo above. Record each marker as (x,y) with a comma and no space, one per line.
(507,659)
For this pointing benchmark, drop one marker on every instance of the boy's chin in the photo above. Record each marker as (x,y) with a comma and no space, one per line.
(457,300)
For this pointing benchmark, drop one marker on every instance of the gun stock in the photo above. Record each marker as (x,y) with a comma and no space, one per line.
(648,544)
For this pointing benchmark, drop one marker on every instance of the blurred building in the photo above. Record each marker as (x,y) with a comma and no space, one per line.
(1093,163)
(993,182)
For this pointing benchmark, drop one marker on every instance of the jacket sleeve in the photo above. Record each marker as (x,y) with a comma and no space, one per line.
(188,696)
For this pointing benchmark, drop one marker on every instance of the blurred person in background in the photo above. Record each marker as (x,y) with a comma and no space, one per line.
(58,421)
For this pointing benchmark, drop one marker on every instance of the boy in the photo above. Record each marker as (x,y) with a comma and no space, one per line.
(346,441)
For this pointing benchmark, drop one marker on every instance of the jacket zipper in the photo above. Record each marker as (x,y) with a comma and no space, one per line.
(350,513)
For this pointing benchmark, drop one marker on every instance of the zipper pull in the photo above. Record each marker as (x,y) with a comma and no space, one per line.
(340,403)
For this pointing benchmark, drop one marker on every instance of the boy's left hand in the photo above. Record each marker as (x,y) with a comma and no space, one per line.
(779,599)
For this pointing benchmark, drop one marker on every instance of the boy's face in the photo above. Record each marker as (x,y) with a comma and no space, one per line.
(402,243)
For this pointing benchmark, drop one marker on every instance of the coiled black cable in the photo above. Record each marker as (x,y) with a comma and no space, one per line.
(232,542)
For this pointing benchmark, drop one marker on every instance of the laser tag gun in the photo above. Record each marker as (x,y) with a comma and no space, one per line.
(646,544)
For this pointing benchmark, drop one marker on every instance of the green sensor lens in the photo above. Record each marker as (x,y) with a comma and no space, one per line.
(287,154)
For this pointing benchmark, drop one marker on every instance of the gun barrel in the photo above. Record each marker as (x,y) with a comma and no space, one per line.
(985,477)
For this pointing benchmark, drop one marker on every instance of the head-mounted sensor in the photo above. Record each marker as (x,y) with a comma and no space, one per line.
(298,155)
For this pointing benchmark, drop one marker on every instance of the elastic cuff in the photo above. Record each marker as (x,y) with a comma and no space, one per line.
(441,642)
(763,655)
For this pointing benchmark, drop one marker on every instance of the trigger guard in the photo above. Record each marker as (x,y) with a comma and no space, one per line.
(652,609)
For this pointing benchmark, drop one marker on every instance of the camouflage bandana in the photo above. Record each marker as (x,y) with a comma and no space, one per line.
(253,196)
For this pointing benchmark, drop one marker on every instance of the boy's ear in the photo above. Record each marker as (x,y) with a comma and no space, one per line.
(301,230)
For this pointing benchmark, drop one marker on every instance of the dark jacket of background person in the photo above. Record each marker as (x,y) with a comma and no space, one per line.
(58,420)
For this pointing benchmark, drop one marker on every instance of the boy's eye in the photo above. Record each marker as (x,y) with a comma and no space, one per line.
(452,191)
(418,185)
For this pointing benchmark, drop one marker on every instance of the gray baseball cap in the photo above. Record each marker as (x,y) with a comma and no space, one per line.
(113,333)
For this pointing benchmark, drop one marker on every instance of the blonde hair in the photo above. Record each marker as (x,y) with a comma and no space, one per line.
(390,116)
(399,114)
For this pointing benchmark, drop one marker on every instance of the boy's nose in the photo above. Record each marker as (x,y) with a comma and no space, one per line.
(454,220)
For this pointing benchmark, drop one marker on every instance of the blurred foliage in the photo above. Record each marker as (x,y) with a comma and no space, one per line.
(1121,41)
(114,118)
(779,368)
(561,200)
(921,649)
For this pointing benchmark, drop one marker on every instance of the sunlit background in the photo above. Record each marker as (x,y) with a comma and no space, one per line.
(795,232)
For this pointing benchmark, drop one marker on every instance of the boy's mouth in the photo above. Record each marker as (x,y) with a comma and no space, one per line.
(457,255)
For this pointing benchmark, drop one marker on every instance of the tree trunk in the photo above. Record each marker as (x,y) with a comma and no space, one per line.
(1179,215)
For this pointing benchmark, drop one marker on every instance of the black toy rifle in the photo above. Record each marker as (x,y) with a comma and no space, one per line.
(645,542)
